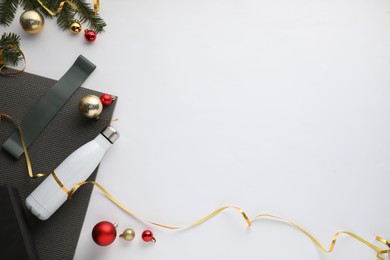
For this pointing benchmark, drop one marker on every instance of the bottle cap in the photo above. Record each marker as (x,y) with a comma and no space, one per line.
(110,133)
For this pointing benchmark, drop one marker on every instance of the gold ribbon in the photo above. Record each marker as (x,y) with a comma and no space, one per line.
(54,175)
(3,64)
(379,251)
(96,7)
(28,161)
(382,252)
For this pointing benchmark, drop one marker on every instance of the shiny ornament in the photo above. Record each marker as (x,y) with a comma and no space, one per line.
(75,27)
(147,236)
(104,233)
(90,106)
(106,99)
(32,21)
(90,35)
(128,234)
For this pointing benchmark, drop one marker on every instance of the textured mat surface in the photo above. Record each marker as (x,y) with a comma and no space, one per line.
(55,238)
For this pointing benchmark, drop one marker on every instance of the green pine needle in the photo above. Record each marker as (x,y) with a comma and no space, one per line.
(29,4)
(50,4)
(9,45)
(86,14)
(66,17)
(7,11)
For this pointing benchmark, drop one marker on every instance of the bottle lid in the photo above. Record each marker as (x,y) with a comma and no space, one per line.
(110,133)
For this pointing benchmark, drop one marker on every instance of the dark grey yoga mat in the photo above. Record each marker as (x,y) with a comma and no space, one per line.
(55,238)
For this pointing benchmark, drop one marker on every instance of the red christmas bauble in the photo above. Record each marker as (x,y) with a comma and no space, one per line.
(104,233)
(90,35)
(106,99)
(147,236)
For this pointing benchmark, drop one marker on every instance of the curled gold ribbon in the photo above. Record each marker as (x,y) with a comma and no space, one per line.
(28,161)
(379,251)
(59,182)
(133,214)
(96,7)
(382,252)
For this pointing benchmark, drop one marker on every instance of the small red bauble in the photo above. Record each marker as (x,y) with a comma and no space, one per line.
(90,35)
(104,233)
(106,99)
(147,236)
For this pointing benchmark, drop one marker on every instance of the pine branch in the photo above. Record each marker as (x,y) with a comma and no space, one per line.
(52,5)
(29,4)
(7,11)
(9,47)
(9,39)
(66,17)
(86,13)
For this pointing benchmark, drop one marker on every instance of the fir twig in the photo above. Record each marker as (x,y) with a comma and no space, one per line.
(7,11)
(65,17)
(86,13)
(50,4)
(10,50)
(29,4)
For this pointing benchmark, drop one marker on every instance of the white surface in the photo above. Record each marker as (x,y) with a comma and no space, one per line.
(274,106)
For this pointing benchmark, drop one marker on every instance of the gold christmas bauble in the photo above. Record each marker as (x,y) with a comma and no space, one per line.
(90,106)
(128,234)
(32,21)
(75,27)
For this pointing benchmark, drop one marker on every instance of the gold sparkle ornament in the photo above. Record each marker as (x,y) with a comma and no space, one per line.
(75,27)
(32,21)
(90,106)
(128,234)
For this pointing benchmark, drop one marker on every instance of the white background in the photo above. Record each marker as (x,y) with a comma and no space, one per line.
(278,107)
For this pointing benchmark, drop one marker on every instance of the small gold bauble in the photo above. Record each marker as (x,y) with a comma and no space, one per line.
(75,27)
(90,106)
(32,21)
(128,234)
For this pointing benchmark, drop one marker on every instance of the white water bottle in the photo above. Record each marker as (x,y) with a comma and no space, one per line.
(77,167)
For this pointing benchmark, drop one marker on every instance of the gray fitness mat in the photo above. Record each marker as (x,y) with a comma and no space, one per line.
(55,238)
